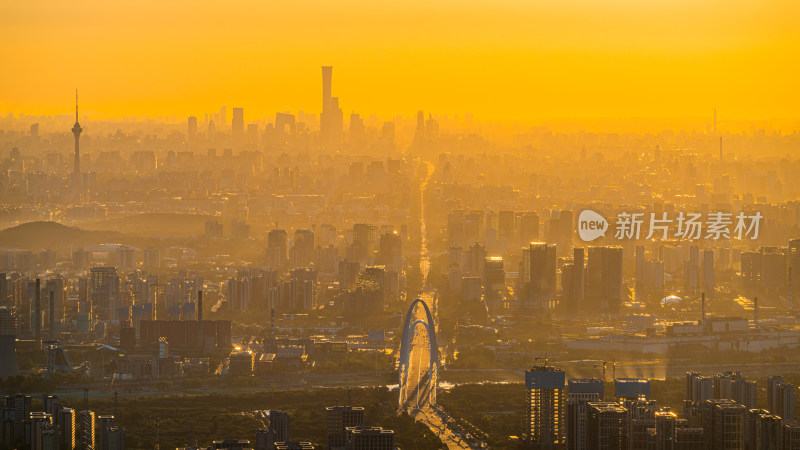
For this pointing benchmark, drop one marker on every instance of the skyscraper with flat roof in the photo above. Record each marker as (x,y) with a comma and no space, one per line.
(542,275)
(793,272)
(545,407)
(237,124)
(103,291)
(279,422)
(580,391)
(332,118)
(277,248)
(723,424)
(191,132)
(327,79)
(369,438)
(604,278)
(606,426)
(337,420)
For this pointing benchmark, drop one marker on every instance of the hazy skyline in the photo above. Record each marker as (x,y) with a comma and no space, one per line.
(505,61)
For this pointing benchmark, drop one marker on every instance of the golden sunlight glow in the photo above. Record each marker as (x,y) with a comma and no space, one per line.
(499,60)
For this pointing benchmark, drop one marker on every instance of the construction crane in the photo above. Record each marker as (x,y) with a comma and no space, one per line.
(542,358)
(605,364)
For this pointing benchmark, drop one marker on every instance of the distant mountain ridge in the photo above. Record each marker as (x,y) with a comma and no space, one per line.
(53,235)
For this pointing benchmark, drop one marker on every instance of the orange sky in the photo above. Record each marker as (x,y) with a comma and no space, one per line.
(524,59)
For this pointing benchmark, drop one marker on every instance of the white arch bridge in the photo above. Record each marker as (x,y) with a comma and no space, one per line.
(418,372)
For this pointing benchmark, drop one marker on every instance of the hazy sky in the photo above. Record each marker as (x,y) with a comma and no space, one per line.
(524,59)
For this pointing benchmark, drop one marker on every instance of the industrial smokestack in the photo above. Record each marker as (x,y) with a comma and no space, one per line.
(52,316)
(200,306)
(703,309)
(200,320)
(755,311)
(38,315)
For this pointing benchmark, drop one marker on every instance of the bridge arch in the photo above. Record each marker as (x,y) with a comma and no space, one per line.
(409,327)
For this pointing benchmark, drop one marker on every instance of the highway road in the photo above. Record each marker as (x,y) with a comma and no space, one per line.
(421,395)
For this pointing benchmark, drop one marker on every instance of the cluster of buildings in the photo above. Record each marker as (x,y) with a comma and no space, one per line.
(719,413)
(56,426)
(518,266)
(344,430)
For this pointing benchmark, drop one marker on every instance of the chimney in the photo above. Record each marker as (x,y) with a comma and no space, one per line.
(703,309)
(755,311)
(200,306)
(200,320)
(272,323)
(38,313)
(52,316)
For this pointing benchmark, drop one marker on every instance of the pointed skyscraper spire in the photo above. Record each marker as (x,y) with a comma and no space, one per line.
(76,105)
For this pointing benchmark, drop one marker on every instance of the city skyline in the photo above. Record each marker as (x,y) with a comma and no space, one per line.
(405,225)
(510,61)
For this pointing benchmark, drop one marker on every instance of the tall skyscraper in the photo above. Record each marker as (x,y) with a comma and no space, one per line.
(212,130)
(604,278)
(707,272)
(606,426)
(103,291)
(8,342)
(192,128)
(543,275)
(733,386)
(793,272)
(279,423)
(390,253)
(578,275)
(723,424)
(665,421)
(237,124)
(87,429)
(337,420)
(419,134)
(545,421)
(303,248)
(507,224)
(332,118)
(277,248)
(327,78)
(494,281)
(698,387)
(528,227)
(581,391)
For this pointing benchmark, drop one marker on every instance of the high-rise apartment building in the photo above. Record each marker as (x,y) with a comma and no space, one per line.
(337,420)
(604,278)
(606,426)
(545,407)
(542,275)
(579,393)
(103,292)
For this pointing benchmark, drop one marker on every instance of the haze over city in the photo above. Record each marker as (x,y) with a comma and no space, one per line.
(400,225)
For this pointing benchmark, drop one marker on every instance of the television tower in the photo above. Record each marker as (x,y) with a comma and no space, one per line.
(76,130)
